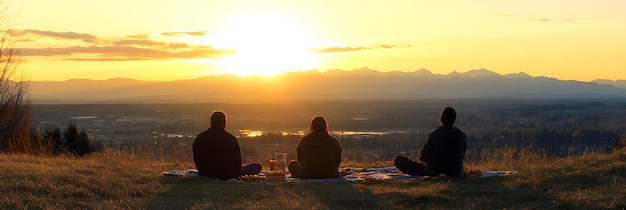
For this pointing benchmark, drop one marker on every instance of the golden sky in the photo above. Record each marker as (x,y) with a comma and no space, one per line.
(169,40)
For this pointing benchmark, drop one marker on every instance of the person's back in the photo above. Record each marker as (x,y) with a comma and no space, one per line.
(216,154)
(444,151)
(319,155)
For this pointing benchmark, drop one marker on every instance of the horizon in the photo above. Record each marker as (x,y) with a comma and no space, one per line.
(361,84)
(315,71)
(190,39)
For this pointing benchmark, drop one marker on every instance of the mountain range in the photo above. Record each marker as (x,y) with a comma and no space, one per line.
(358,84)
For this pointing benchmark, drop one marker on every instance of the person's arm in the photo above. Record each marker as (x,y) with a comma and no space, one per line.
(238,156)
(426,152)
(299,150)
(463,147)
(233,156)
(196,152)
(338,151)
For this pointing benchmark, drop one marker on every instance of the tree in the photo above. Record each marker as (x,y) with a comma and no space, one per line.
(15,118)
(71,138)
(84,146)
(52,136)
(76,141)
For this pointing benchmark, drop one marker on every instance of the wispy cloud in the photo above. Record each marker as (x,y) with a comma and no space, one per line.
(149,43)
(129,48)
(118,53)
(188,33)
(351,49)
(32,34)
(338,49)
(529,18)
(139,36)
(132,53)
(140,46)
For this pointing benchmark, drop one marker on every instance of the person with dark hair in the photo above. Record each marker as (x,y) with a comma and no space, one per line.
(444,151)
(318,153)
(216,152)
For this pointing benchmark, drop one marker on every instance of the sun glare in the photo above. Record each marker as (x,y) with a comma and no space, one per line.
(266,44)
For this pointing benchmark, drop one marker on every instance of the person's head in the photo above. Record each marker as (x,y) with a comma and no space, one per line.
(319,124)
(447,117)
(218,119)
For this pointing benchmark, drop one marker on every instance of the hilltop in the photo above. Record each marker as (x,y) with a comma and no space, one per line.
(132,180)
(359,84)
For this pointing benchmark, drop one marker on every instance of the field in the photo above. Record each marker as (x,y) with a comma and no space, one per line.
(562,149)
(132,180)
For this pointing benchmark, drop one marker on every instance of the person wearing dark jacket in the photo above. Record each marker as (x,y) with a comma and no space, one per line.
(318,153)
(216,152)
(444,151)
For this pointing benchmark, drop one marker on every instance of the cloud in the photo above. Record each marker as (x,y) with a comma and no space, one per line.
(139,36)
(188,33)
(529,18)
(139,42)
(338,49)
(88,38)
(150,43)
(131,47)
(126,53)
(139,47)
(393,46)
(352,49)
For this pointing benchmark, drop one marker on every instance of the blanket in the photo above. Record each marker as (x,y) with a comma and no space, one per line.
(352,174)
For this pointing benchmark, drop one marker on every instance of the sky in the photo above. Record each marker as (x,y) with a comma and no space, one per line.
(172,40)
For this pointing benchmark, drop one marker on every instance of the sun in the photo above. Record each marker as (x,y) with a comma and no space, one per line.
(266,44)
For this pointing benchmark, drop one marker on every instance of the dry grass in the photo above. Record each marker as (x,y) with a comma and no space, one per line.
(132,180)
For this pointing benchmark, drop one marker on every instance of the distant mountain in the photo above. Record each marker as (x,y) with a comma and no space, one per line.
(617,83)
(357,84)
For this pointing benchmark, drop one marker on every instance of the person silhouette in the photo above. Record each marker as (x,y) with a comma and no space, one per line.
(216,152)
(444,151)
(318,153)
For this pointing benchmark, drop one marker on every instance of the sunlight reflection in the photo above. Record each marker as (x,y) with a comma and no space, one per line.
(251,133)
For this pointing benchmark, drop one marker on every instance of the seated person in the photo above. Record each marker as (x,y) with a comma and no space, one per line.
(318,153)
(443,152)
(216,152)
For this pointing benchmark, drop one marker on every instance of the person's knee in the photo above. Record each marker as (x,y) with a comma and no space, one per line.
(399,160)
(294,168)
(256,167)
(294,164)
(252,169)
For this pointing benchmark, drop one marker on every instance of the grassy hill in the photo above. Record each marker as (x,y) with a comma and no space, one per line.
(132,180)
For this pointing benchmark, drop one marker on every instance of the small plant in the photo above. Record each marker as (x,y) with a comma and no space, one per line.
(619,143)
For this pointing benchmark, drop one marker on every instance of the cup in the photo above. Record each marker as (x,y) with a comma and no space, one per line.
(281,161)
(272,165)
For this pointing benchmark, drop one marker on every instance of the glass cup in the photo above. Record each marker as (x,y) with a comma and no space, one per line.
(281,161)
(272,165)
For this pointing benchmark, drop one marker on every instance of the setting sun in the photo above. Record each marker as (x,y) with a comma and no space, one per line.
(266,44)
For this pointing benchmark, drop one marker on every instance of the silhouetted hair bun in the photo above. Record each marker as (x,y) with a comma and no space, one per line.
(447,117)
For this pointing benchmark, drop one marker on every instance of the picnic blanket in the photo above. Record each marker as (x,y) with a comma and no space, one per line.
(352,174)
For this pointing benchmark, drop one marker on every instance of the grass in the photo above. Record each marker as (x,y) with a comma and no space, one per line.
(132,180)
